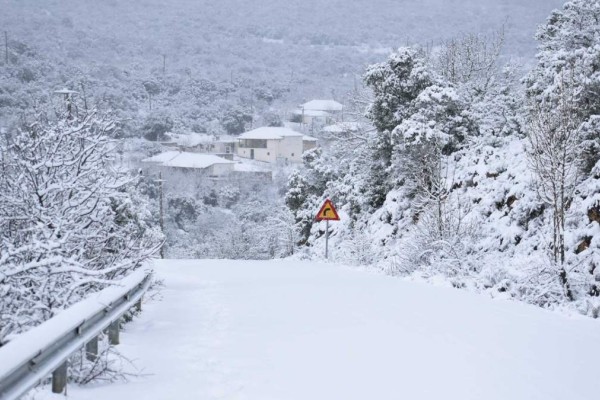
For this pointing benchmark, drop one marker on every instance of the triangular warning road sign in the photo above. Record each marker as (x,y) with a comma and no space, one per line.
(327,212)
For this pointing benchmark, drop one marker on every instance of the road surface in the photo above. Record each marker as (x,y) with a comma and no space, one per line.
(284,330)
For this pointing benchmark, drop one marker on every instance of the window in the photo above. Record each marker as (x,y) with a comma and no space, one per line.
(253,143)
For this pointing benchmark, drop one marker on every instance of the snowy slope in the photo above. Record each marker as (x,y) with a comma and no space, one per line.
(299,330)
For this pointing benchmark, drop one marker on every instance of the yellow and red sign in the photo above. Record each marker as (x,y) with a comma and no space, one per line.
(327,212)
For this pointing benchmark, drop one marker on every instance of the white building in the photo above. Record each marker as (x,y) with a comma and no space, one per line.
(204,143)
(319,112)
(274,144)
(310,117)
(203,164)
(330,106)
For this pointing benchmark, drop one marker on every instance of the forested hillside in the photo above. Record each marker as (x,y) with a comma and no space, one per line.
(195,64)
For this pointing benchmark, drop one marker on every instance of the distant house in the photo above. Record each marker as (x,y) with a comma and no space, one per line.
(193,142)
(274,144)
(197,166)
(319,111)
(226,145)
(204,164)
(330,106)
(310,117)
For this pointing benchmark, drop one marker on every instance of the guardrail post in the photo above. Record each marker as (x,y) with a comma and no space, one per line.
(59,378)
(91,349)
(113,332)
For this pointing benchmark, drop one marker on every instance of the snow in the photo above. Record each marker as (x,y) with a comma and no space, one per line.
(342,127)
(179,159)
(162,157)
(309,330)
(65,91)
(322,105)
(247,167)
(307,138)
(195,160)
(191,139)
(267,132)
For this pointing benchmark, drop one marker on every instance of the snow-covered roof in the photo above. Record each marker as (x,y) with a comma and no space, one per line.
(342,127)
(322,105)
(181,159)
(307,138)
(268,132)
(162,157)
(195,160)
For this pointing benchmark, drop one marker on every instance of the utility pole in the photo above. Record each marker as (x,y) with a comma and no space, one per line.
(161,211)
(6,45)
(84,96)
(252,108)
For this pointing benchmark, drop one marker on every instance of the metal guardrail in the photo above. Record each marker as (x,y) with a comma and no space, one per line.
(44,350)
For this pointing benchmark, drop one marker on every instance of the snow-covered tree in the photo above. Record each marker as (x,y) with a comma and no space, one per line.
(70,220)
(568,52)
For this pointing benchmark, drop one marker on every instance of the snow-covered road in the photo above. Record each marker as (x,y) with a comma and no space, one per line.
(282,330)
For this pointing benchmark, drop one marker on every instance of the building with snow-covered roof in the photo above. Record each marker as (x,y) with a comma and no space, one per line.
(162,157)
(205,164)
(310,117)
(204,143)
(330,106)
(318,112)
(180,166)
(273,144)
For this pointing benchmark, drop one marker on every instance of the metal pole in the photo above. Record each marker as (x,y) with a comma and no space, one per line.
(161,211)
(91,349)
(59,378)
(326,239)
(113,332)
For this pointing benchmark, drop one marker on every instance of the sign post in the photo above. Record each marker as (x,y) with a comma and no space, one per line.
(327,213)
